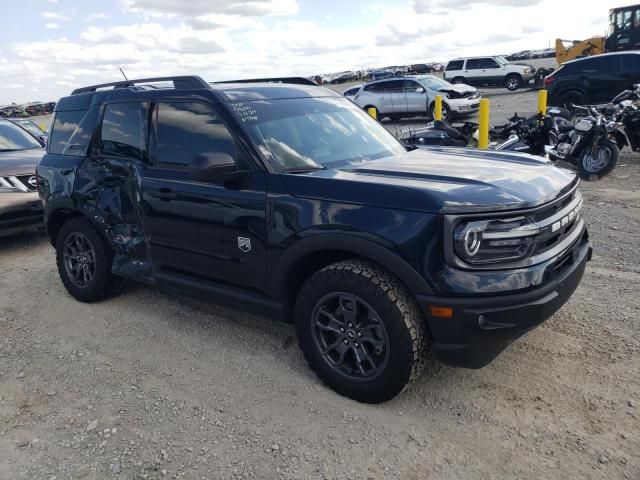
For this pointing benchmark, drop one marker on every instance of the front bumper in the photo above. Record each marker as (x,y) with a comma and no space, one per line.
(483,327)
(20,212)
(464,105)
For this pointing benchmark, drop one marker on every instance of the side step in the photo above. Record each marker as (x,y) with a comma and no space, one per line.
(219,293)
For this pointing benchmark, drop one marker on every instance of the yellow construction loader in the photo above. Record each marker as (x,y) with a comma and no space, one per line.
(624,34)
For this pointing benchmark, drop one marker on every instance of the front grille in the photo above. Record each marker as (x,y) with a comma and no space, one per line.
(558,221)
(24,183)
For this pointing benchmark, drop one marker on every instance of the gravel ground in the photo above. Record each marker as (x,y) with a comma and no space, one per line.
(148,385)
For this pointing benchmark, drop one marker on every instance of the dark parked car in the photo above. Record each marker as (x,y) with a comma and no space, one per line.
(290,200)
(593,80)
(20,207)
(420,68)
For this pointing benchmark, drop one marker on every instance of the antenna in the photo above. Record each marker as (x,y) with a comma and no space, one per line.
(125,77)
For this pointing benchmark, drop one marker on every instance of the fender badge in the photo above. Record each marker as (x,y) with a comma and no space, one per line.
(244,244)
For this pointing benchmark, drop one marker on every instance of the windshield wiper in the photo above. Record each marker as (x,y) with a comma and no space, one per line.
(303,170)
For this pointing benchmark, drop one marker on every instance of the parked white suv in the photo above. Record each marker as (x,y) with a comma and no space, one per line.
(488,71)
(414,95)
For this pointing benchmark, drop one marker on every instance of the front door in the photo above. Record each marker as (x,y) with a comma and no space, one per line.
(416,95)
(213,230)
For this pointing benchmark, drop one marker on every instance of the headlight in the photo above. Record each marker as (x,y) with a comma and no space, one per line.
(495,241)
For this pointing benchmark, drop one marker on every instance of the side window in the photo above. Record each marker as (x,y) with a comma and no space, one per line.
(455,65)
(601,64)
(64,124)
(474,64)
(631,63)
(396,86)
(186,129)
(488,63)
(123,130)
(410,86)
(78,144)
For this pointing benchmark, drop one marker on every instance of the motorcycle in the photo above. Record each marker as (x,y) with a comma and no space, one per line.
(439,133)
(529,135)
(587,144)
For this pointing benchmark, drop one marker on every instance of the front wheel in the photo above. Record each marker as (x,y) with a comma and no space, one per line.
(513,82)
(446,111)
(360,331)
(596,162)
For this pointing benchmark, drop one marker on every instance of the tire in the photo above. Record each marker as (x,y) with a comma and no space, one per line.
(570,98)
(590,172)
(457,80)
(513,82)
(400,334)
(446,111)
(100,282)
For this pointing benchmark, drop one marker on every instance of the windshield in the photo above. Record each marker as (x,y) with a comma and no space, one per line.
(30,127)
(502,60)
(434,83)
(14,138)
(314,133)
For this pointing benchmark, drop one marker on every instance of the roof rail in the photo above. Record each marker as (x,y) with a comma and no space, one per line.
(293,80)
(179,83)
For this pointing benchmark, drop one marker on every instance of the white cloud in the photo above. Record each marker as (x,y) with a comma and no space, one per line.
(95,17)
(52,26)
(165,37)
(194,8)
(54,16)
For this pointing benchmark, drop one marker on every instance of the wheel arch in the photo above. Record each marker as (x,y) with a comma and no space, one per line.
(55,221)
(309,255)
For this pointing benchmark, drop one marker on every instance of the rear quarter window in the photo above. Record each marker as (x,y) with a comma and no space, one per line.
(455,65)
(64,125)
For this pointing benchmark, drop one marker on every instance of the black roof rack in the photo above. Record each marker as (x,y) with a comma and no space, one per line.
(179,83)
(293,80)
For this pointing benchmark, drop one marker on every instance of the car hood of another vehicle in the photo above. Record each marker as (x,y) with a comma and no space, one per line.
(439,180)
(459,88)
(20,162)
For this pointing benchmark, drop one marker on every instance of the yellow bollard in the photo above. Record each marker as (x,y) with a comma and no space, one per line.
(437,109)
(483,140)
(373,112)
(542,102)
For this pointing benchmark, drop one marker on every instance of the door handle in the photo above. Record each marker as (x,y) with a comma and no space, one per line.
(166,194)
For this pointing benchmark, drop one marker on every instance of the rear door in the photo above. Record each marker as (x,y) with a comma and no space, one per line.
(630,70)
(213,230)
(603,76)
(473,72)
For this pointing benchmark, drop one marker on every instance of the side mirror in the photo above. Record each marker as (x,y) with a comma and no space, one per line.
(419,90)
(211,166)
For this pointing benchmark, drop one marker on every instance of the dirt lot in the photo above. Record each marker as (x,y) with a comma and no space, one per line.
(148,385)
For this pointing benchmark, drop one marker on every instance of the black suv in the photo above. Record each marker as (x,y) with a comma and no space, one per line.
(288,199)
(593,80)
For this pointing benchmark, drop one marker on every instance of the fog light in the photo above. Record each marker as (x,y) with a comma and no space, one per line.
(441,312)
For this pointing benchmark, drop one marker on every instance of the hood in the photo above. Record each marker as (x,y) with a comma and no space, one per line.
(440,179)
(22,162)
(459,88)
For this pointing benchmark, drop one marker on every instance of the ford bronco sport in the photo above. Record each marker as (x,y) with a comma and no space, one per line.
(285,197)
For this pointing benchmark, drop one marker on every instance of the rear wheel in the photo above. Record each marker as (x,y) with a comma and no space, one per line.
(360,331)
(595,163)
(84,261)
(571,98)
(378,116)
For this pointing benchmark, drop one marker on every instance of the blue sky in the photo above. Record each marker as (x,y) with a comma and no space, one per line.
(49,47)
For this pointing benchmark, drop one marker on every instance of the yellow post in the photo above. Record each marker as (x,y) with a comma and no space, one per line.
(483,140)
(542,102)
(437,109)
(373,112)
